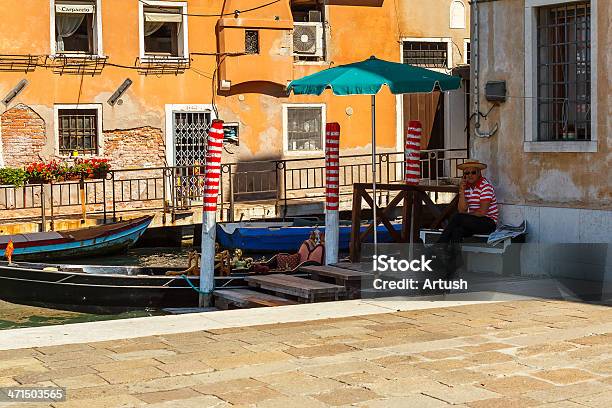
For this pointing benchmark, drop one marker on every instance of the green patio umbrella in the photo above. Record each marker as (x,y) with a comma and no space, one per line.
(367,78)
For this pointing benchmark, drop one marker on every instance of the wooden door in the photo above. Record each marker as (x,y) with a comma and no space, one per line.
(421,107)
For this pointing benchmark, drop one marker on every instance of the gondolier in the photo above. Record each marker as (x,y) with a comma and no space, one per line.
(477,213)
(477,207)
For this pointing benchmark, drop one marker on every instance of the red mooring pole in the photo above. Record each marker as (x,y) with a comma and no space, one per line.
(214,147)
(412,150)
(412,173)
(332,191)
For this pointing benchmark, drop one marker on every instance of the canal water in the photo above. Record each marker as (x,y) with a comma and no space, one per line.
(142,257)
(14,316)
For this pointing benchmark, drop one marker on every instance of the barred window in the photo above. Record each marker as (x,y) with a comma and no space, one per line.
(251,42)
(78,131)
(304,128)
(426,54)
(564,72)
(468,53)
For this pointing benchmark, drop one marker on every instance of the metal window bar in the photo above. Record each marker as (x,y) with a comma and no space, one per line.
(78,130)
(564,72)
(26,63)
(251,42)
(426,54)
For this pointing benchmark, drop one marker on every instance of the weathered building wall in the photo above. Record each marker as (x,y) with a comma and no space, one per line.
(354,32)
(134,148)
(565,197)
(23,135)
(257,106)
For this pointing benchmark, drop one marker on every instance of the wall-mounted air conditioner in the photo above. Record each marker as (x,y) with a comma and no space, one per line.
(308,39)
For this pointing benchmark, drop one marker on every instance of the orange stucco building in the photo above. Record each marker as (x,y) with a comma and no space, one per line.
(138,81)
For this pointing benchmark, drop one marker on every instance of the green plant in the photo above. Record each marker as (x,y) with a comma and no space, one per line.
(16,177)
(39,172)
(88,168)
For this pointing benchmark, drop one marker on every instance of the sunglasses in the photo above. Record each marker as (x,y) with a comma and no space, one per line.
(467,173)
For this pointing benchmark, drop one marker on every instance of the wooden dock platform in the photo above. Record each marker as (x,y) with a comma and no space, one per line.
(303,290)
(354,281)
(245,298)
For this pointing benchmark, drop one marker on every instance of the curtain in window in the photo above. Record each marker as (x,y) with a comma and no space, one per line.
(66,25)
(150,27)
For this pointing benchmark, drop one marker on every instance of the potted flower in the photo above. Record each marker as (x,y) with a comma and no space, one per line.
(45,172)
(75,171)
(99,168)
(81,169)
(39,173)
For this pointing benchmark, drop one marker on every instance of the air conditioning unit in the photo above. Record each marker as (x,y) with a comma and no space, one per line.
(308,39)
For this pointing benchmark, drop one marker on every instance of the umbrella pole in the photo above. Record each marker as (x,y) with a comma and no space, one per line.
(374,175)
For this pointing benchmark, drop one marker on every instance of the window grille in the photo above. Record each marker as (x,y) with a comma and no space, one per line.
(78,130)
(564,72)
(251,42)
(468,53)
(426,54)
(304,129)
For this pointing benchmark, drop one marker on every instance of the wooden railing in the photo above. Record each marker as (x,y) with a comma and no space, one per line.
(416,204)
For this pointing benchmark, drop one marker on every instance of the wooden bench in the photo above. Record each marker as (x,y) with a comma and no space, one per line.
(245,298)
(304,290)
(353,281)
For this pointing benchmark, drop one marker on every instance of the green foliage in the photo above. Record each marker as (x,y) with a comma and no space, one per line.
(16,177)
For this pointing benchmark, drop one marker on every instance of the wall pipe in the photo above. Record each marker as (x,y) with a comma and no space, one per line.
(476,56)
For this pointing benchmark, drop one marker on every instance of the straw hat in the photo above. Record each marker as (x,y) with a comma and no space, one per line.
(475,164)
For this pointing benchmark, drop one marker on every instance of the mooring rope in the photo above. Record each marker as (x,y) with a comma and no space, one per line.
(192,285)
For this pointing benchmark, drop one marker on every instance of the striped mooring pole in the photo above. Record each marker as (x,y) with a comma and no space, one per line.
(412,150)
(332,192)
(212,176)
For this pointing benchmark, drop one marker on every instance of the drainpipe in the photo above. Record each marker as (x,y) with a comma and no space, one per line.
(1,143)
(476,57)
(1,147)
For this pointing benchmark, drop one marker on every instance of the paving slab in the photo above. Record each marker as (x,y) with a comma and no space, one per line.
(321,363)
(57,337)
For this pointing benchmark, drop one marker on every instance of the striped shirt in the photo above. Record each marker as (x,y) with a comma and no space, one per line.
(482,192)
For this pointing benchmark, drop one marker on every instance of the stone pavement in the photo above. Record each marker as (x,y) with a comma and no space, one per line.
(510,354)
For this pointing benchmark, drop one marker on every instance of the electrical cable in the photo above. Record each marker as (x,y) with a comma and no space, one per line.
(80,87)
(458,49)
(223,55)
(213,78)
(234,13)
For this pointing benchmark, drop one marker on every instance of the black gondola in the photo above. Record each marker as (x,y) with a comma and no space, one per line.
(102,289)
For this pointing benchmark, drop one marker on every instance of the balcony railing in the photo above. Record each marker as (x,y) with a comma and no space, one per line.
(173,190)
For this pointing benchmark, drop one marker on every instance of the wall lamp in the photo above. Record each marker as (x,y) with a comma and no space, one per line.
(16,90)
(120,91)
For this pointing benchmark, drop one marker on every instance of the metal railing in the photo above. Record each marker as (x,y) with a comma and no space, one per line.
(173,190)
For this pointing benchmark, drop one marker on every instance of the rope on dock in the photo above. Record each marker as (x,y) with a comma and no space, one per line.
(193,286)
